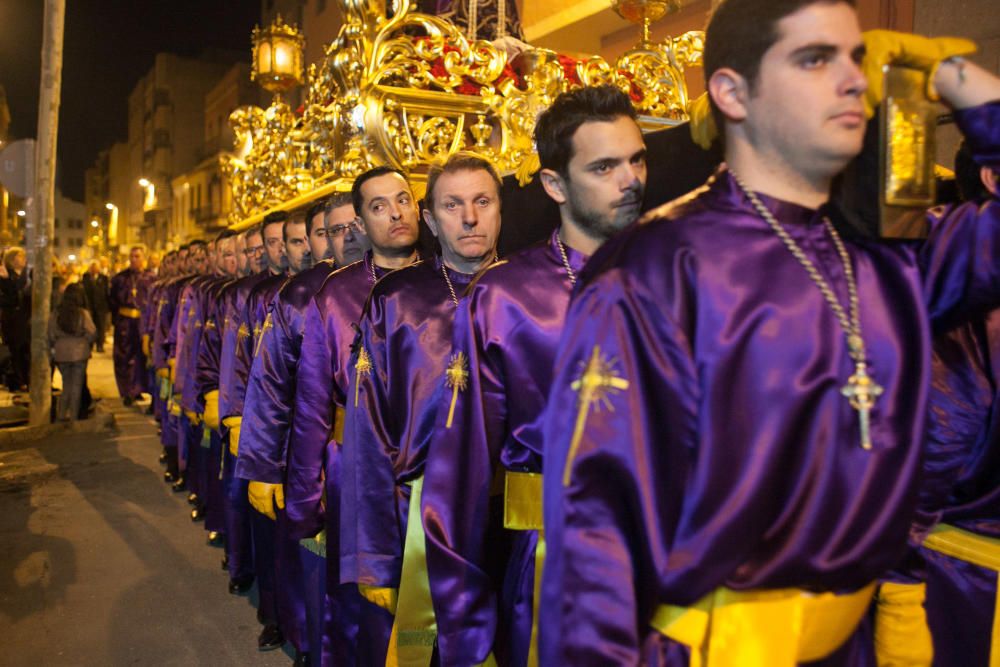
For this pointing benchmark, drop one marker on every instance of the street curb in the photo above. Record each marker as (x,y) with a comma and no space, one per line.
(100,422)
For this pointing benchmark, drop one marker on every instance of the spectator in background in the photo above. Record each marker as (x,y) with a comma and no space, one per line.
(71,332)
(15,315)
(95,284)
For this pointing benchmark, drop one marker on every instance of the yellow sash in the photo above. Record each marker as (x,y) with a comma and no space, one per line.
(767,628)
(131,313)
(902,636)
(978,550)
(522,510)
(414,630)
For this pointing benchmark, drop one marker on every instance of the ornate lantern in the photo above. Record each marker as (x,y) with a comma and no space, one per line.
(277,56)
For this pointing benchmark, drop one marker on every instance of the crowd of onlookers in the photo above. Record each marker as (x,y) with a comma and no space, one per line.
(79,323)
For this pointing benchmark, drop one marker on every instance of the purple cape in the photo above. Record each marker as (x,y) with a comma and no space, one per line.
(406,334)
(508,327)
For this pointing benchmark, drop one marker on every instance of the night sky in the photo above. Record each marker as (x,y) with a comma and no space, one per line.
(108,46)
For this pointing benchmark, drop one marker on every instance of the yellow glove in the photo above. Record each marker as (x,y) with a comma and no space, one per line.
(383,597)
(163,373)
(233,424)
(145,345)
(884,47)
(702,122)
(212,409)
(264,497)
(193,417)
(902,636)
(175,408)
(172,365)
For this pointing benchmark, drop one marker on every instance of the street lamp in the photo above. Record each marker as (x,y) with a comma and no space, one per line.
(21,214)
(144,182)
(95,223)
(113,224)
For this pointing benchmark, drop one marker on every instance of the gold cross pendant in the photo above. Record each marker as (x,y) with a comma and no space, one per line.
(861,391)
(457,379)
(597,380)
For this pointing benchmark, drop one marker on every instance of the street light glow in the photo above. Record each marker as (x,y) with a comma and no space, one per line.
(144,182)
(95,223)
(72,258)
(110,206)
(21,214)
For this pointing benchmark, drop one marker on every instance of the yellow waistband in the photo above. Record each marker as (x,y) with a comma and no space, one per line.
(773,628)
(522,501)
(133,313)
(964,545)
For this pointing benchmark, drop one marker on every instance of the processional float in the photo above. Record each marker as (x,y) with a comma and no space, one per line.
(402,88)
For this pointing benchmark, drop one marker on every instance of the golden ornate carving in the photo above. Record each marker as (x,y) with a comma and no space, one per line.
(404,88)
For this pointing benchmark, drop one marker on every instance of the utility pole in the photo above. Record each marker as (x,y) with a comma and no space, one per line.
(42,210)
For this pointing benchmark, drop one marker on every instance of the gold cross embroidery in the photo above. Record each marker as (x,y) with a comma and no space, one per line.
(197,324)
(457,379)
(598,379)
(263,332)
(190,312)
(363,366)
(242,333)
(209,324)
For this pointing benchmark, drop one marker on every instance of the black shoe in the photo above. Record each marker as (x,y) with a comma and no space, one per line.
(169,477)
(179,485)
(270,638)
(198,514)
(241,585)
(302,659)
(128,401)
(163,458)
(192,499)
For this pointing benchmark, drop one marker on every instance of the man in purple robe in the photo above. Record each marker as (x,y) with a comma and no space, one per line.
(733,436)
(274,603)
(149,323)
(201,392)
(162,354)
(954,570)
(129,292)
(269,411)
(239,547)
(357,631)
(593,166)
(399,373)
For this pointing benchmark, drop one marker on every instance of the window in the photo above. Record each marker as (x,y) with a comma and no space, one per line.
(57,223)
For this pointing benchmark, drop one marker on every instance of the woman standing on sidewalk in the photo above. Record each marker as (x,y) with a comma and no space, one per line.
(71,332)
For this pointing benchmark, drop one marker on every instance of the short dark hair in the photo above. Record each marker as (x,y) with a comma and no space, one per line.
(356,197)
(459,161)
(318,207)
(271,219)
(740,32)
(138,246)
(198,242)
(294,218)
(557,124)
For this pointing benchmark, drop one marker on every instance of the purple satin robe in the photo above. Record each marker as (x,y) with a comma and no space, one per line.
(406,332)
(129,289)
(270,398)
(207,364)
(717,449)
(508,326)
(320,388)
(234,301)
(252,318)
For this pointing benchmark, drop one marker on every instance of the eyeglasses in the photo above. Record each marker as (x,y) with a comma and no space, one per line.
(340,230)
(255,250)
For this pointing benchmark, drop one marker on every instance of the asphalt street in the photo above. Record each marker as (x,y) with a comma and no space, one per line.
(100,563)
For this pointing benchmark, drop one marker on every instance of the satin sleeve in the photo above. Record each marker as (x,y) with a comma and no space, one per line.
(187,362)
(270,399)
(373,554)
(461,463)
(312,426)
(242,360)
(230,325)
(611,497)
(960,262)
(209,351)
